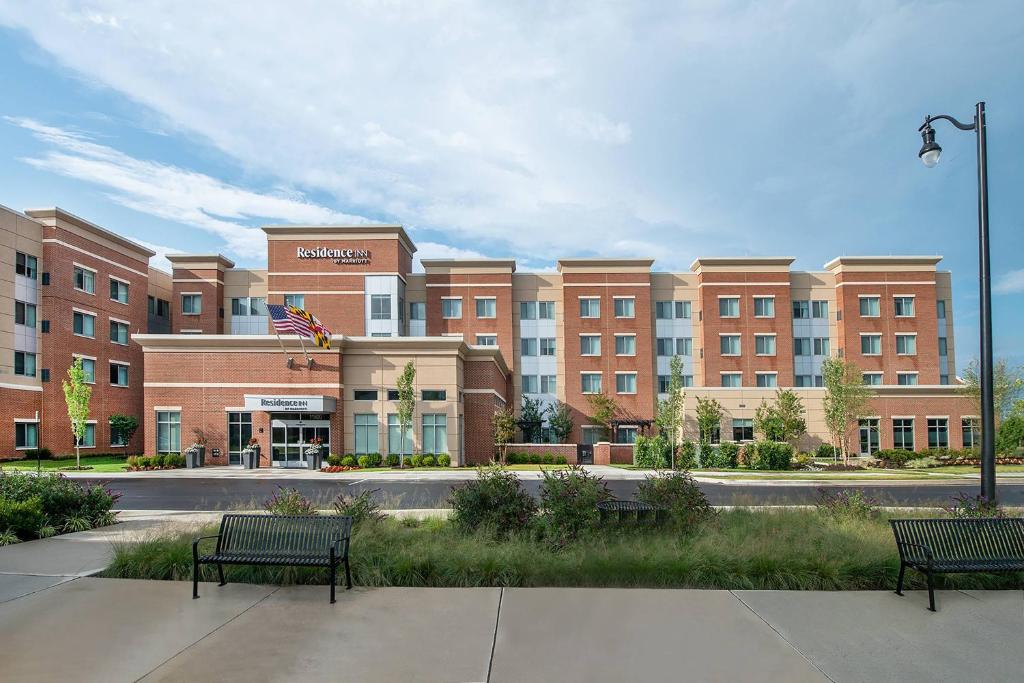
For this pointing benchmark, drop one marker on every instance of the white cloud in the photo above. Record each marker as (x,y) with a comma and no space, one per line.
(1010,282)
(595,126)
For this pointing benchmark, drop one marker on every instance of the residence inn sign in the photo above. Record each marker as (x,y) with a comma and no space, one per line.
(338,256)
(286,404)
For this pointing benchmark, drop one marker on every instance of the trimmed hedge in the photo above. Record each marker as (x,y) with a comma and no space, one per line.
(770,455)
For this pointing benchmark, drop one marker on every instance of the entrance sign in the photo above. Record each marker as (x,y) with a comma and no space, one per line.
(339,256)
(291,404)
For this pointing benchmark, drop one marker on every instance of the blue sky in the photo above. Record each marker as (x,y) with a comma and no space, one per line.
(532,130)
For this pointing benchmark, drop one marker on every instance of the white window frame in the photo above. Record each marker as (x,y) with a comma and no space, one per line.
(872,374)
(480,337)
(878,300)
(913,305)
(732,297)
(760,374)
(615,306)
(871,334)
(762,298)
(484,299)
(74,278)
(600,382)
(739,345)
(122,364)
(181,301)
(591,336)
(915,374)
(626,373)
(127,289)
(82,312)
(588,299)
(905,335)
(765,335)
(731,373)
(451,317)
(624,335)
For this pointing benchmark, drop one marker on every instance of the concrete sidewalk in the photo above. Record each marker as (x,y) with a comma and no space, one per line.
(90,629)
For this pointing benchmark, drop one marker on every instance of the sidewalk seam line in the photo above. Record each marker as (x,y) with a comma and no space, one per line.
(38,590)
(784,639)
(276,589)
(494,639)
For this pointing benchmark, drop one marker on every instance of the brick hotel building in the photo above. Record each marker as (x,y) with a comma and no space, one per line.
(193,349)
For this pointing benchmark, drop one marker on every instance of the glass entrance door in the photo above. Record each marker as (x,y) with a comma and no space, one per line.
(290,436)
(868,436)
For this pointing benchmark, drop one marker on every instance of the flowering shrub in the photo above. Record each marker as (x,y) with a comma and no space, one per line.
(289,502)
(968,507)
(679,494)
(569,500)
(847,503)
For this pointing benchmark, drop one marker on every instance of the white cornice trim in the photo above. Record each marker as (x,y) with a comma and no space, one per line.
(243,385)
(20,387)
(52,240)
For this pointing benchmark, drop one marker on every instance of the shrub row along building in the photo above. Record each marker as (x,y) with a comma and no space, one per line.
(193,349)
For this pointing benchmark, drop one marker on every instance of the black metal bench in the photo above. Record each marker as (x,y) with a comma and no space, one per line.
(626,509)
(278,540)
(958,546)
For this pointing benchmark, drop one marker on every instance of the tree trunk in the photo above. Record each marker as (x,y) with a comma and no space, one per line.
(78,454)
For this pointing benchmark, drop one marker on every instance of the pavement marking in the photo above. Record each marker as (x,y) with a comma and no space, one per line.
(494,640)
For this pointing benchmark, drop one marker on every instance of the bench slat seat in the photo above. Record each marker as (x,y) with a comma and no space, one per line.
(278,540)
(958,546)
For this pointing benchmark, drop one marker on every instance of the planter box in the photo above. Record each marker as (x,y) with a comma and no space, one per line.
(195,459)
(251,459)
(313,462)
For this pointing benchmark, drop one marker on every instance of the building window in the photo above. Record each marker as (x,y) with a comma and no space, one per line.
(943,379)
(529,384)
(486,340)
(591,434)
(527,346)
(590,307)
(730,344)
(119,291)
(764,344)
(434,395)
(943,346)
(380,334)
(665,347)
(801,346)
(801,310)
(590,345)
(527,310)
(451,309)
(26,435)
(938,432)
(168,432)
(821,346)
(119,332)
(819,310)
(819,381)
(764,307)
(729,307)
(89,369)
(192,304)
(117,437)
(88,440)
(804,381)
(84,324)
(24,314)
(546,310)
(871,344)
(85,280)
(25,265)
(417,310)
(625,307)
(664,381)
(255,305)
(366,433)
(732,379)
(873,379)
(626,434)
(684,346)
(625,345)
(393,394)
(667,310)
(395,442)
(906,344)
(767,379)
(380,307)
(548,384)
(903,306)
(903,433)
(940,309)
(296,300)
(742,429)
(590,382)
(24,364)
(663,310)
(869,307)
(487,307)
(625,382)
(714,437)
(364,394)
(906,379)
(239,433)
(970,430)
(547,346)
(435,433)
(118,374)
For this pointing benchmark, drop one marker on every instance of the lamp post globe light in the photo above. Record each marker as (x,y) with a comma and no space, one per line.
(929,154)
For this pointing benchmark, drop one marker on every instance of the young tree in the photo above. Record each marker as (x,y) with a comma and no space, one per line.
(560,420)
(846,398)
(504,423)
(603,409)
(76,395)
(125,426)
(406,404)
(783,419)
(1007,387)
(767,422)
(672,409)
(531,419)
(709,418)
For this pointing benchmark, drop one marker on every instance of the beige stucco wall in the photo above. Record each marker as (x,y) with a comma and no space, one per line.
(18,232)
(242,282)
(538,287)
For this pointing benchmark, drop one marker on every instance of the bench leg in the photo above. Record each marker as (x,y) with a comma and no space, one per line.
(220,571)
(931,592)
(195,580)
(334,579)
(899,581)
(348,575)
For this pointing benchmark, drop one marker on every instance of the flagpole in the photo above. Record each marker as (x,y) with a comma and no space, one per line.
(288,362)
(309,361)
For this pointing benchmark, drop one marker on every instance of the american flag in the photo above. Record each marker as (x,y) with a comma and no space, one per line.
(290,319)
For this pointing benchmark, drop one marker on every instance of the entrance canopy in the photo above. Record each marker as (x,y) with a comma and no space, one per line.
(291,403)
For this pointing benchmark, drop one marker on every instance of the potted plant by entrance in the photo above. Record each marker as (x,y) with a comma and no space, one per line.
(314,458)
(195,455)
(251,454)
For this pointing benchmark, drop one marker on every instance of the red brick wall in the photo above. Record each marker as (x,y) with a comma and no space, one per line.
(953,407)
(607,286)
(483,383)
(470,286)
(567,450)
(608,453)
(16,403)
(59,298)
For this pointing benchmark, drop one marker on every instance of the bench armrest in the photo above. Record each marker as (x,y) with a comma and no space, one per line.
(195,543)
(907,544)
(340,547)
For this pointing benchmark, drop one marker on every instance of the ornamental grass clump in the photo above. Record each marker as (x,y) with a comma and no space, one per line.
(679,495)
(569,501)
(495,503)
(361,508)
(847,503)
(289,502)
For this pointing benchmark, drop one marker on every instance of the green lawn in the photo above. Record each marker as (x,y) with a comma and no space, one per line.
(745,474)
(738,549)
(98,463)
(971,469)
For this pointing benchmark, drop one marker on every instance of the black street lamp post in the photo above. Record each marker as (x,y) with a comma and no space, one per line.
(930,152)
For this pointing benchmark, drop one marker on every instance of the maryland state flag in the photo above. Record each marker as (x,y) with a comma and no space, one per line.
(292,319)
